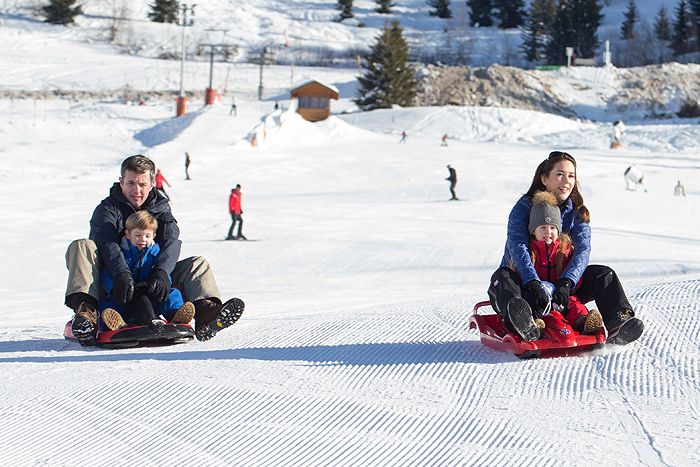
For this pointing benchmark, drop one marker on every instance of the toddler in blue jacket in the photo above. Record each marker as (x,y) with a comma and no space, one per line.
(140,253)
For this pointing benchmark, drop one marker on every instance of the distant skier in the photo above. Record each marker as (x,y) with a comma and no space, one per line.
(443,140)
(234,208)
(234,107)
(160,180)
(634,177)
(618,133)
(187,166)
(453,181)
(679,190)
(404,136)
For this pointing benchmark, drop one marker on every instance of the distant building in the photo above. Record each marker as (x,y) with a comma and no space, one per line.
(314,100)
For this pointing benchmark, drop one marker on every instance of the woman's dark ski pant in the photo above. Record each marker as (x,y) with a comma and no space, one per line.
(598,283)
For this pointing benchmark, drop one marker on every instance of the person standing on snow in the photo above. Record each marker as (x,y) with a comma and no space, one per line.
(517,275)
(85,258)
(443,140)
(187,166)
(618,134)
(234,208)
(404,137)
(234,107)
(679,190)
(453,182)
(160,180)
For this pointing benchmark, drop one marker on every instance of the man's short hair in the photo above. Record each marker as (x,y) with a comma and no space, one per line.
(139,164)
(142,220)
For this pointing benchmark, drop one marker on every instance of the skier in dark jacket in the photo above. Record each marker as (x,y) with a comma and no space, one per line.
(84,258)
(453,181)
(557,175)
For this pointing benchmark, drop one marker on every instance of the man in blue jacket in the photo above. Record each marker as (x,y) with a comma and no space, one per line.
(84,258)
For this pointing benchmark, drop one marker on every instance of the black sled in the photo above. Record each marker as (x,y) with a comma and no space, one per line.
(134,336)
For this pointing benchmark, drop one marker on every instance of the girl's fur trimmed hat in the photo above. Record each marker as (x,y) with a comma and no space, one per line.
(545,211)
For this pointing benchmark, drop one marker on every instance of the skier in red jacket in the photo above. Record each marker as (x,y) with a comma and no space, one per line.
(160,180)
(234,208)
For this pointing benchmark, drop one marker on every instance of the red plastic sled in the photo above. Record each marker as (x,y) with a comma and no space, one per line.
(133,336)
(560,338)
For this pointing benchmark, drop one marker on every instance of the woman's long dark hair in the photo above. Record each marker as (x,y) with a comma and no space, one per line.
(545,168)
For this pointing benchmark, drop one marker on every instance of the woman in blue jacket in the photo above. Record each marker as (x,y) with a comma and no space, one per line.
(516,292)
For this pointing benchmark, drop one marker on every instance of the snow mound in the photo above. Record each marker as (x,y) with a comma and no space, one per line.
(288,128)
(602,94)
(477,124)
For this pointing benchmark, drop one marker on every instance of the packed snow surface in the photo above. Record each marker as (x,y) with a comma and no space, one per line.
(359,280)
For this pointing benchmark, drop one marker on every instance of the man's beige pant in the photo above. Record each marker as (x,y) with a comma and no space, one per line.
(192,276)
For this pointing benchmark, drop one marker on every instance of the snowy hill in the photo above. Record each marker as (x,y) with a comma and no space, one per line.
(300,31)
(354,347)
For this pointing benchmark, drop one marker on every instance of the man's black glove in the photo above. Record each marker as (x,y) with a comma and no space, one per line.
(562,292)
(537,296)
(123,289)
(158,285)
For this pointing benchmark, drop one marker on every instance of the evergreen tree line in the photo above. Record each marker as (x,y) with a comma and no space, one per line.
(64,11)
(553,25)
(682,34)
(548,27)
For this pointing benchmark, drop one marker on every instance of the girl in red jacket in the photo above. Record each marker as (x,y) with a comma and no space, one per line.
(550,252)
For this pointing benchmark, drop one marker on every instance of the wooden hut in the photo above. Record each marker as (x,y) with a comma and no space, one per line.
(314,100)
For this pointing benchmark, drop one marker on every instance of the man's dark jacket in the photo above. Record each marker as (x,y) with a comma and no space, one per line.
(107,227)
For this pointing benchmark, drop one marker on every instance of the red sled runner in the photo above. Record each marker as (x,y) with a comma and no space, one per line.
(134,336)
(559,339)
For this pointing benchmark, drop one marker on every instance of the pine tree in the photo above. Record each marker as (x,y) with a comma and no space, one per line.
(511,13)
(662,26)
(387,79)
(61,11)
(480,13)
(586,19)
(561,35)
(442,8)
(694,6)
(384,6)
(537,27)
(681,30)
(345,7)
(164,11)
(631,17)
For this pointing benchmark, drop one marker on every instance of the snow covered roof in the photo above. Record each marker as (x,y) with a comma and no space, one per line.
(335,93)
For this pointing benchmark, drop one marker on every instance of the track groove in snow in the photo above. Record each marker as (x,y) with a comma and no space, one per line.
(405,385)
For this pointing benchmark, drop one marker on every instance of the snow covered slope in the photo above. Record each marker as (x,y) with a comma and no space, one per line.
(354,348)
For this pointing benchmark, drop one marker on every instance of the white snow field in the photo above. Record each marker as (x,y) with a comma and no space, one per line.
(354,347)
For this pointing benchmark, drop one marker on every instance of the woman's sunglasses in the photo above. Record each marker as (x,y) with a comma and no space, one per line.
(561,155)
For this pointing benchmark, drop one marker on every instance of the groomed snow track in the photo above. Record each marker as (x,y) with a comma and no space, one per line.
(399,385)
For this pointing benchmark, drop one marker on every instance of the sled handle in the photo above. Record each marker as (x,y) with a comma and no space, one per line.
(481,305)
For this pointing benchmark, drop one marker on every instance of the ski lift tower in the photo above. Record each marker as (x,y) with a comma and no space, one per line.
(265,58)
(184,22)
(209,94)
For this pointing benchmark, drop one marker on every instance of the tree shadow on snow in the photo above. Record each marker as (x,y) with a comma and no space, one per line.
(165,131)
(370,354)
